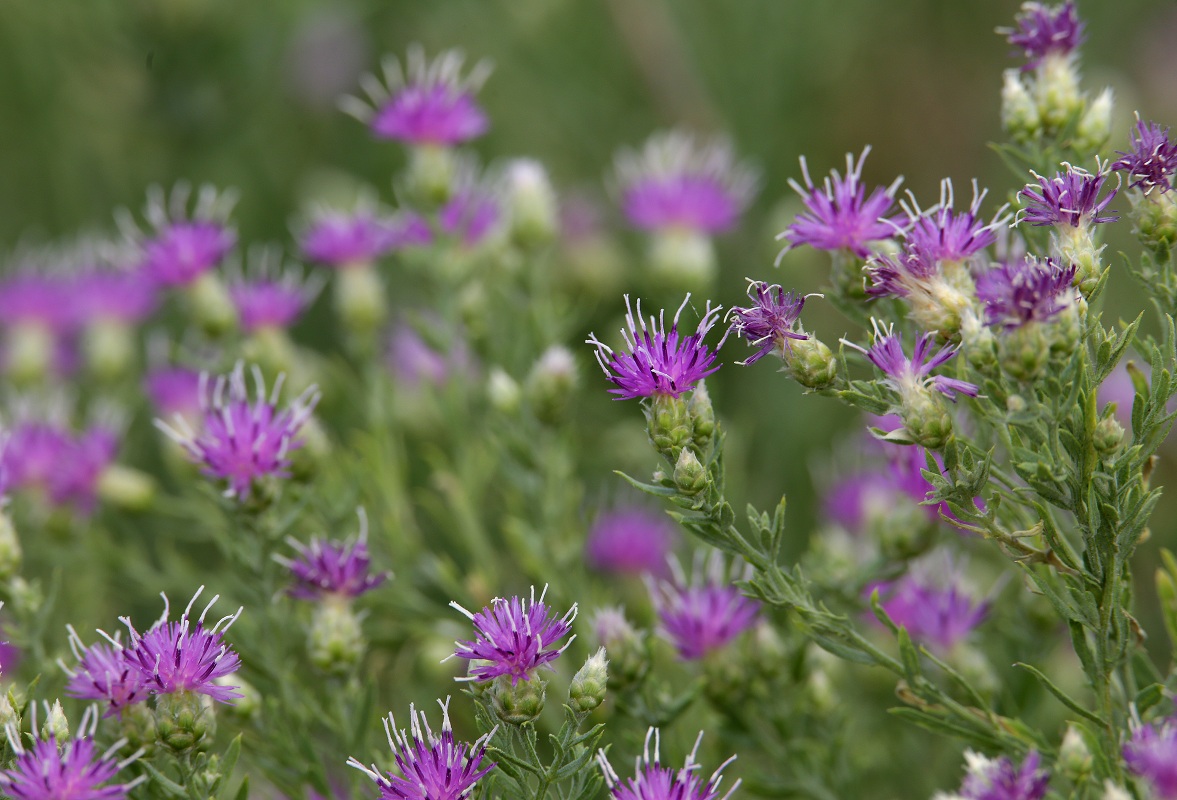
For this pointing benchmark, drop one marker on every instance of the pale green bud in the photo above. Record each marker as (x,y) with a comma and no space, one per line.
(1155,215)
(1057,89)
(185,721)
(1095,126)
(249,704)
(1019,112)
(521,703)
(1024,352)
(270,348)
(926,420)
(551,384)
(10,552)
(430,173)
(56,725)
(903,529)
(503,391)
(1077,246)
(30,353)
(336,642)
(669,425)
(531,203)
(811,363)
(589,683)
(109,348)
(690,476)
(359,298)
(702,417)
(1108,436)
(137,726)
(212,308)
(9,716)
(975,667)
(682,259)
(1074,757)
(629,652)
(1015,404)
(126,487)
(1112,791)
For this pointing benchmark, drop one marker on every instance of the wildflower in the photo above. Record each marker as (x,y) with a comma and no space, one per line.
(182,657)
(932,603)
(86,457)
(514,637)
(431,767)
(424,103)
(944,235)
(630,539)
(104,673)
(174,390)
(1070,198)
(840,216)
(414,362)
(37,321)
(333,568)
(111,295)
(652,781)
(472,215)
(999,779)
(704,613)
(1024,291)
(343,239)
(182,247)
(271,297)
(1151,754)
(912,376)
(70,770)
(1152,161)
(628,650)
(33,453)
(657,363)
(770,323)
(1043,32)
(243,442)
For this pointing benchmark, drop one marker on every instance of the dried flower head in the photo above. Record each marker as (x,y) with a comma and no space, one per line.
(514,637)
(706,611)
(652,781)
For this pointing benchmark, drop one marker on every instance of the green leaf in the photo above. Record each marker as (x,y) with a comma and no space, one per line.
(1062,696)
(228,762)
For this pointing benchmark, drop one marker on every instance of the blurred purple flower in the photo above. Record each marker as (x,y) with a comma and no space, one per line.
(182,247)
(705,612)
(327,568)
(174,390)
(70,770)
(514,637)
(1152,161)
(104,673)
(931,602)
(270,295)
(413,361)
(999,779)
(342,239)
(1151,754)
(114,295)
(34,450)
(37,298)
(471,215)
(631,539)
(82,461)
(1043,31)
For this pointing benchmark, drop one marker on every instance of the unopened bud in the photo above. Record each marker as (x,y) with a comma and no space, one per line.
(811,363)
(9,716)
(1059,98)
(10,552)
(26,597)
(430,174)
(137,726)
(1077,246)
(502,391)
(690,476)
(1095,126)
(904,530)
(185,721)
(1074,757)
(551,384)
(926,420)
(336,642)
(109,347)
(1024,352)
(521,703)
(359,298)
(682,259)
(1107,437)
(56,725)
(589,683)
(316,447)
(975,667)
(669,425)
(126,487)
(1019,112)
(531,203)
(30,353)
(702,417)
(210,304)
(629,653)
(1155,215)
(1015,404)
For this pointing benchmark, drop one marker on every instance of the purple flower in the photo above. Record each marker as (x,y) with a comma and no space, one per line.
(181,248)
(633,540)
(270,296)
(39,299)
(652,781)
(704,613)
(427,103)
(327,568)
(676,182)
(770,322)
(908,375)
(1023,291)
(114,295)
(73,770)
(1151,754)
(932,604)
(840,215)
(342,239)
(413,361)
(514,637)
(1152,161)
(104,673)
(83,459)
(431,767)
(241,441)
(174,390)
(942,234)
(472,215)
(1043,31)
(1069,198)
(34,450)
(999,779)
(183,656)
(657,363)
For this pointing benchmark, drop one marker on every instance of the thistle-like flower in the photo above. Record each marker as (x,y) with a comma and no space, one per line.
(1000,779)
(182,247)
(933,604)
(1152,161)
(33,297)
(840,216)
(514,637)
(120,296)
(242,442)
(1069,199)
(185,656)
(1044,31)
(1151,754)
(473,214)
(327,568)
(912,376)
(270,295)
(1026,290)
(84,459)
(658,363)
(345,238)
(430,766)
(631,539)
(174,390)
(652,781)
(703,613)
(942,234)
(104,673)
(425,102)
(770,323)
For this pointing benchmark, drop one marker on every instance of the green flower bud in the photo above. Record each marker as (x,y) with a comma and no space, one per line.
(1077,246)
(669,425)
(551,384)
(336,641)
(249,704)
(137,726)
(531,203)
(1112,791)
(1024,352)
(1095,126)
(521,703)
(1057,91)
(1155,215)
(30,353)
(359,298)
(210,305)
(589,683)
(702,417)
(1015,404)
(690,476)
(1107,437)
(682,259)
(810,363)
(10,552)
(56,725)
(628,650)
(1074,757)
(502,391)
(316,447)
(927,421)
(26,597)
(270,348)
(185,721)
(904,529)
(430,173)
(126,487)
(9,716)
(1019,112)
(109,348)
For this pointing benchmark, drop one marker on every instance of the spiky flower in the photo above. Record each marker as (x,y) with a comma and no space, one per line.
(652,781)
(1025,290)
(658,363)
(840,216)
(1001,779)
(425,102)
(430,766)
(514,637)
(114,295)
(33,297)
(333,568)
(174,390)
(770,323)
(933,603)
(184,655)
(345,238)
(240,441)
(473,214)
(942,234)
(1152,161)
(630,539)
(679,183)
(181,246)
(70,770)
(104,673)
(1151,754)
(1044,31)
(911,376)
(270,294)
(1070,198)
(703,613)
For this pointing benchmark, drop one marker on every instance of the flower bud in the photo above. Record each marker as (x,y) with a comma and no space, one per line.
(927,421)
(1074,757)
(502,391)
(975,667)
(589,683)
(56,725)
(429,177)
(682,259)
(336,642)
(551,384)
(811,363)
(1107,437)
(185,721)
(521,703)
(1077,246)
(1024,352)
(126,487)
(316,447)
(359,298)
(628,650)
(30,353)
(211,307)
(1155,215)
(669,425)
(9,715)
(109,347)
(1095,126)
(1057,89)
(690,476)
(137,726)
(249,704)
(1112,791)
(1019,113)
(531,203)
(10,552)
(702,417)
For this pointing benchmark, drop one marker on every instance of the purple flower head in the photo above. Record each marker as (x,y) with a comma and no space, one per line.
(941,234)
(242,441)
(652,781)
(471,216)
(413,361)
(425,103)
(1023,291)
(676,182)
(705,612)
(34,451)
(269,294)
(514,637)
(632,539)
(327,568)
(1043,31)
(909,375)
(185,656)
(114,295)
(180,247)
(1070,198)
(431,767)
(931,602)
(840,216)
(860,497)
(83,459)
(174,390)
(1151,754)
(999,779)
(104,673)
(1152,161)
(770,323)
(39,298)
(345,238)
(657,363)
(71,770)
